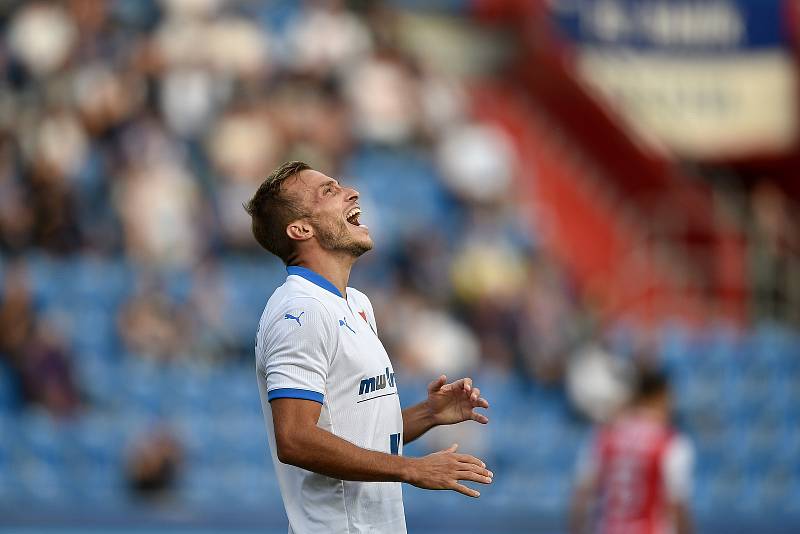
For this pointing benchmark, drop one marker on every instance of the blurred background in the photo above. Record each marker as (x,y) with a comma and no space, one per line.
(560,192)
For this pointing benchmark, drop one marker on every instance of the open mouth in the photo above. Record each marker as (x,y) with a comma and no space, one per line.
(353,216)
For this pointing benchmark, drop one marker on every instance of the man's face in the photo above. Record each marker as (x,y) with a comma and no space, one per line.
(333,213)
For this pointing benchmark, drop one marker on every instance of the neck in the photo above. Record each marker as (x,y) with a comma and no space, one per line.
(333,267)
(652,410)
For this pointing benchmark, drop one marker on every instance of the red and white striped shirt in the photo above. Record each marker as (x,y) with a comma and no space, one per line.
(640,467)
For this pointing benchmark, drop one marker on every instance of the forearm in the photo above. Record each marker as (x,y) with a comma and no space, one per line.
(320,451)
(579,512)
(416,421)
(300,442)
(683,521)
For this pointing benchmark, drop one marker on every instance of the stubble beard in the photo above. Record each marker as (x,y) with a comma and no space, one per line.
(336,237)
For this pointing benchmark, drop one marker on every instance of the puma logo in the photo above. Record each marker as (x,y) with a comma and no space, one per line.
(290,316)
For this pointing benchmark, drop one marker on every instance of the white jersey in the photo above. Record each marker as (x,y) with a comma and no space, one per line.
(317,345)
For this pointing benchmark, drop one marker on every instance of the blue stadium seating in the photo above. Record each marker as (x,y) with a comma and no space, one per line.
(395,181)
(8,390)
(737,397)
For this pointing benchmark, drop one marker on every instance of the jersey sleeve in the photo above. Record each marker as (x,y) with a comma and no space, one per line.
(677,466)
(295,351)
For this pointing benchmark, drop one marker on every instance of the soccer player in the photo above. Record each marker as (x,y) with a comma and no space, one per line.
(328,389)
(637,470)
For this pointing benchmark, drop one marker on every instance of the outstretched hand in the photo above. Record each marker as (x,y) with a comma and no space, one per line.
(445,470)
(455,402)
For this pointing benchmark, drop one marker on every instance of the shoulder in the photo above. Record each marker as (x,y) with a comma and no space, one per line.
(300,310)
(306,304)
(681,447)
(294,324)
(358,295)
(291,295)
(677,466)
(678,457)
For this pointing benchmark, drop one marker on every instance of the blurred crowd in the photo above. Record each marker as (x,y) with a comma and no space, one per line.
(774,255)
(131,132)
(136,129)
(36,354)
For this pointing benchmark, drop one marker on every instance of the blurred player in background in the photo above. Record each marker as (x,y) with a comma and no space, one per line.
(635,476)
(328,389)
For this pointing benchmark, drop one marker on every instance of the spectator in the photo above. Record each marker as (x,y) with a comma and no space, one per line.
(775,255)
(16,215)
(211,336)
(597,383)
(33,351)
(42,36)
(326,37)
(154,465)
(243,146)
(471,152)
(121,137)
(160,214)
(47,376)
(17,319)
(153,325)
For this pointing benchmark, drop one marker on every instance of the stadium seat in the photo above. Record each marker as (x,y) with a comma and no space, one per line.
(100,441)
(102,485)
(8,390)
(41,483)
(46,440)
(200,486)
(103,282)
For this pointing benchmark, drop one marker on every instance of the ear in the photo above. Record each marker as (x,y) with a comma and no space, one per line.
(299,230)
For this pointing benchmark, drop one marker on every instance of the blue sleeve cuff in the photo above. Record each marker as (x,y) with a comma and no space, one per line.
(292,393)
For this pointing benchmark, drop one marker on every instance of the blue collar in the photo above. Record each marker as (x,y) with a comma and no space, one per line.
(314,278)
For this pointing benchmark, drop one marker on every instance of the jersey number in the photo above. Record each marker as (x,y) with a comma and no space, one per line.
(394,443)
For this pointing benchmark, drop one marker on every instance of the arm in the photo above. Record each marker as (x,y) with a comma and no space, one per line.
(580,507)
(294,355)
(682,518)
(446,404)
(302,443)
(677,466)
(416,421)
(586,481)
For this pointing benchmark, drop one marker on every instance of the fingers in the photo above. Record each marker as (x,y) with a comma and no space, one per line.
(437,384)
(472,473)
(475,395)
(481,403)
(479,417)
(467,459)
(474,477)
(476,401)
(455,467)
(464,384)
(478,470)
(469,492)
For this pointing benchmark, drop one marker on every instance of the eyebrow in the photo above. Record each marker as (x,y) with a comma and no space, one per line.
(329,182)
